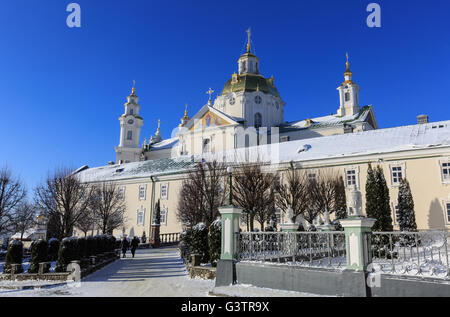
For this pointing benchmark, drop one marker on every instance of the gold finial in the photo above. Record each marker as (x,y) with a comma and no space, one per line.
(347,70)
(185,110)
(257,86)
(249,33)
(133,89)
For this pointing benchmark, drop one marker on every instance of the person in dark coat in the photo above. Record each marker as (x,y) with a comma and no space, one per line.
(134,245)
(124,246)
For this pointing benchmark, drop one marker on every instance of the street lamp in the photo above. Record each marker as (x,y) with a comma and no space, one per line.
(230,172)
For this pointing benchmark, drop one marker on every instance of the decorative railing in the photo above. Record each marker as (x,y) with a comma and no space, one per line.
(169,238)
(424,253)
(318,249)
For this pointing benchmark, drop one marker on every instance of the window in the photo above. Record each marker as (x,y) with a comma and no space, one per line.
(164,215)
(142,192)
(130,135)
(350,177)
(206,145)
(395,213)
(121,193)
(312,175)
(396,174)
(447,212)
(164,190)
(131,111)
(445,168)
(140,216)
(347,96)
(284,138)
(258,120)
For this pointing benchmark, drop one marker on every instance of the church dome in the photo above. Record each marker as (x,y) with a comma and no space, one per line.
(250,83)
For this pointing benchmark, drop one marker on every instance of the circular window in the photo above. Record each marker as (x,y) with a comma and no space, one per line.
(130,121)
(258,99)
(232,101)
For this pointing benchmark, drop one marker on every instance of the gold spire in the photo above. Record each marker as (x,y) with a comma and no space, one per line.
(347,70)
(133,89)
(249,33)
(185,119)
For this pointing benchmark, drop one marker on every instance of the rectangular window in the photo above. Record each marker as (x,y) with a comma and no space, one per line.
(350,176)
(395,213)
(164,215)
(284,138)
(448,212)
(140,216)
(312,176)
(142,192)
(397,174)
(121,193)
(445,171)
(206,146)
(164,191)
(130,135)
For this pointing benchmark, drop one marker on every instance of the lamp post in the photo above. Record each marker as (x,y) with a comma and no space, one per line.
(230,173)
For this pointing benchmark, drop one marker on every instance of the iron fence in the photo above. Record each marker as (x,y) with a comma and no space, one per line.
(424,253)
(318,249)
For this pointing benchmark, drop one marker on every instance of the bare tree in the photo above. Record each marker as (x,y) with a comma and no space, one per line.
(202,194)
(65,199)
(86,223)
(24,218)
(252,191)
(190,204)
(107,207)
(12,193)
(293,193)
(322,192)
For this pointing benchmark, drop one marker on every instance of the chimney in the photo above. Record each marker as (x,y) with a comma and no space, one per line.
(422,119)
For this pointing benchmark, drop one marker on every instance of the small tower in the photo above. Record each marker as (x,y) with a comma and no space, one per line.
(248,63)
(185,118)
(348,94)
(130,129)
(157,137)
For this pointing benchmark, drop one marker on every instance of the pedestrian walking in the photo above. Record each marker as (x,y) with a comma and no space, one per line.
(134,245)
(124,246)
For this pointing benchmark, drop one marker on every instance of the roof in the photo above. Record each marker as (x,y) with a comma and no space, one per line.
(136,169)
(327,121)
(404,138)
(165,144)
(250,83)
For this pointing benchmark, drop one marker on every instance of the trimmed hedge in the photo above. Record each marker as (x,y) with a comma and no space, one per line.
(68,252)
(53,248)
(14,256)
(39,253)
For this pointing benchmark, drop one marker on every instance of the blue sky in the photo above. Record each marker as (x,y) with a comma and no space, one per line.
(62,89)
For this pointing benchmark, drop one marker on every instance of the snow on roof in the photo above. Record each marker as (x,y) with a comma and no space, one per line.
(330,120)
(379,141)
(136,169)
(165,144)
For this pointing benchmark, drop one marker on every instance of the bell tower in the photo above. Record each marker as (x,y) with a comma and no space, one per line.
(130,129)
(348,94)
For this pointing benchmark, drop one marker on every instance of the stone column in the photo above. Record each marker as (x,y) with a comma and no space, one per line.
(356,228)
(226,269)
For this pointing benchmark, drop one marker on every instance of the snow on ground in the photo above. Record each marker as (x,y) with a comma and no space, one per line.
(153,273)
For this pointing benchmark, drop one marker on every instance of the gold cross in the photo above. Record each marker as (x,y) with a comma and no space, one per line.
(210,92)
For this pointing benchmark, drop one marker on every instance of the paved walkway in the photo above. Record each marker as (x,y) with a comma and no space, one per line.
(153,272)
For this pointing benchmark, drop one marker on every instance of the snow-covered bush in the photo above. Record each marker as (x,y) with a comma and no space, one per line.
(199,242)
(185,244)
(39,253)
(215,241)
(53,247)
(68,251)
(14,256)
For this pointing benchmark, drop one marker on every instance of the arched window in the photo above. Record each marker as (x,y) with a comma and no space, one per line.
(258,120)
(131,111)
(130,135)
(347,96)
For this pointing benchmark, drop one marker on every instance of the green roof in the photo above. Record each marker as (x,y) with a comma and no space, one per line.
(250,83)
